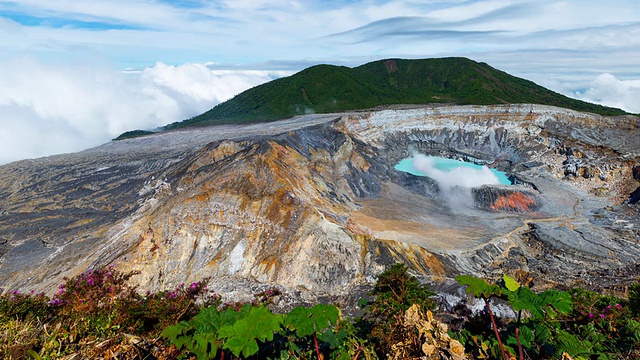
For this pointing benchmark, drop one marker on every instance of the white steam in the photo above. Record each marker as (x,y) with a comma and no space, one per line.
(455,184)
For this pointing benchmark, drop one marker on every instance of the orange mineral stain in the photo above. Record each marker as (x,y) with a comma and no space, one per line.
(514,202)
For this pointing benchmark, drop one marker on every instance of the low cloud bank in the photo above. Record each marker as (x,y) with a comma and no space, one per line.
(455,184)
(49,109)
(52,108)
(608,90)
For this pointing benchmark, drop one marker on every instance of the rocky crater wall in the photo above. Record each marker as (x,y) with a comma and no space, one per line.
(315,206)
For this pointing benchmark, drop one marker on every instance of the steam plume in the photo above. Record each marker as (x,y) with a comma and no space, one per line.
(455,184)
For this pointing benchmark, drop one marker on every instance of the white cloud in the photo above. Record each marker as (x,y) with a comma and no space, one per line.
(470,10)
(606,89)
(252,31)
(55,108)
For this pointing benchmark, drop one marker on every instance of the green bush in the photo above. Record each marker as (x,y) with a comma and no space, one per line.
(634,299)
(16,305)
(550,324)
(253,330)
(393,294)
(606,322)
(97,305)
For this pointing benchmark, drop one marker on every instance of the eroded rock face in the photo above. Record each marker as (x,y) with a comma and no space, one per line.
(314,205)
(504,199)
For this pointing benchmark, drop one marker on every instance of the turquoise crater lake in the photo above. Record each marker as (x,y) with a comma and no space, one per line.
(458,172)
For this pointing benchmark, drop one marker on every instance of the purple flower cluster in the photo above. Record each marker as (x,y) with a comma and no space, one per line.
(14,294)
(609,311)
(235,305)
(193,291)
(55,302)
(89,298)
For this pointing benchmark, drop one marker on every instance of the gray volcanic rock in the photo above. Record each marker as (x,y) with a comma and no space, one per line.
(314,205)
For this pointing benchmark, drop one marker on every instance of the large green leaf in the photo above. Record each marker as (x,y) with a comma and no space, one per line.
(526,336)
(242,345)
(571,344)
(207,320)
(333,338)
(175,331)
(510,283)
(559,300)
(263,324)
(258,324)
(545,305)
(525,299)
(230,316)
(204,346)
(184,335)
(542,333)
(479,287)
(305,321)
(633,327)
(182,342)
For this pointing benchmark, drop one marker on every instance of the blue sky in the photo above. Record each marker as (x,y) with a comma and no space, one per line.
(90,69)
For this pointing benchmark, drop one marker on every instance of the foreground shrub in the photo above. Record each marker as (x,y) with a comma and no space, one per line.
(152,313)
(102,303)
(394,293)
(97,306)
(99,314)
(252,330)
(551,324)
(607,323)
(18,306)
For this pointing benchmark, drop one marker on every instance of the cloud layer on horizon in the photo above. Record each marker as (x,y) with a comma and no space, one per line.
(606,89)
(48,109)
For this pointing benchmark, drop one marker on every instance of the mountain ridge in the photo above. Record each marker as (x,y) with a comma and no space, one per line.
(329,88)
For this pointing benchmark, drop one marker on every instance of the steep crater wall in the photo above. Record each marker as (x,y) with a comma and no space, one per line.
(318,208)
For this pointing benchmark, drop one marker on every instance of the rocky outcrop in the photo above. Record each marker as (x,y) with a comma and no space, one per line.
(505,199)
(314,205)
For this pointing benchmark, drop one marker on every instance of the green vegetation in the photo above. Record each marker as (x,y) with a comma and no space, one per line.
(552,324)
(254,329)
(539,334)
(95,307)
(97,314)
(327,88)
(392,295)
(133,134)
